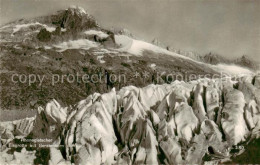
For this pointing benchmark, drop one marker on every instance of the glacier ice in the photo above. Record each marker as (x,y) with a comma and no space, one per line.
(174,123)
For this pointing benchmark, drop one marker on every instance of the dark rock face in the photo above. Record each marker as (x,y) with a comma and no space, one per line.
(11,129)
(72,23)
(44,35)
(247,62)
(214,59)
(49,121)
(74,18)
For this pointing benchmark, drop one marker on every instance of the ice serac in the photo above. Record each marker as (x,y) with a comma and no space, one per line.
(212,102)
(56,112)
(9,130)
(252,98)
(257,81)
(90,137)
(23,157)
(166,129)
(146,152)
(133,111)
(176,115)
(197,149)
(163,108)
(172,151)
(154,118)
(151,95)
(214,138)
(179,123)
(207,142)
(232,120)
(56,157)
(49,121)
(24,126)
(136,129)
(186,121)
(177,94)
(198,104)
(20,127)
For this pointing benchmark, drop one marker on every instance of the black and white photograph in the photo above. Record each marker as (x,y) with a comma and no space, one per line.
(129,82)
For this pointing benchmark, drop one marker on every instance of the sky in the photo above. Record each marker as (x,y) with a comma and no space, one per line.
(227,27)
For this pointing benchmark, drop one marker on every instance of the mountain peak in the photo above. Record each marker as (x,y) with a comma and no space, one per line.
(156,42)
(77,9)
(245,57)
(74,17)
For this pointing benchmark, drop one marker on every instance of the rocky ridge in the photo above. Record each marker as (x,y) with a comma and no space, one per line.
(212,58)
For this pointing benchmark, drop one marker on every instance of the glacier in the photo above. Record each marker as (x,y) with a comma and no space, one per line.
(175,123)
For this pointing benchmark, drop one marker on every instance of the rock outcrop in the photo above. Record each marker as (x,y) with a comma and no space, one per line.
(74,18)
(18,128)
(49,121)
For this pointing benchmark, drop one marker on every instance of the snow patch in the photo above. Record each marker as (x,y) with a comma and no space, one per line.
(82,11)
(47,58)
(137,47)
(124,42)
(47,47)
(4,27)
(17,47)
(48,28)
(233,69)
(79,9)
(76,44)
(98,33)
(153,66)
(104,51)
(22,26)
(100,59)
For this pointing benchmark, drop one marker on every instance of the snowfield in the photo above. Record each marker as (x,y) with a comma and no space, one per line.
(17,28)
(95,32)
(76,44)
(137,47)
(233,69)
(153,66)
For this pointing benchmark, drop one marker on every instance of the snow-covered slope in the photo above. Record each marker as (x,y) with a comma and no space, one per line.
(96,32)
(233,69)
(18,27)
(74,28)
(76,44)
(137,47)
